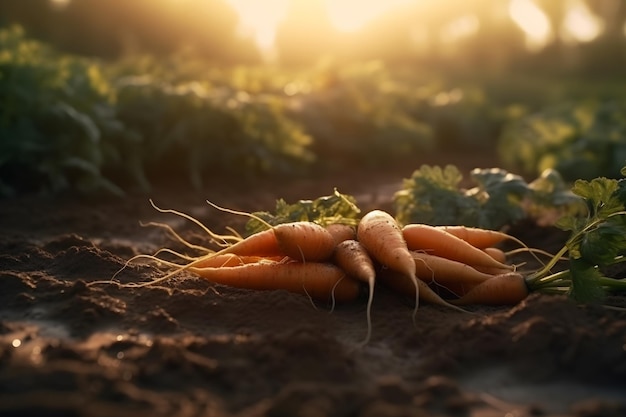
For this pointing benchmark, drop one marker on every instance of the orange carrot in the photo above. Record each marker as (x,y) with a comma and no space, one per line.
(305,241)
(451,290)
(505,289)
(302,240)
(496,253)
(477,237)
(494,271)
(486,239)
(381,236)
(230,259)
(431,268)
(321,281)
(259,244)
(341,232)
(351,256)
(436,241)
(402,284)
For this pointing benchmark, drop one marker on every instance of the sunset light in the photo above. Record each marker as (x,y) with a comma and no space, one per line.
(362,26)
(259,19)
(460,28)
(351,15)
(533,21)
(60,3)
(580,25)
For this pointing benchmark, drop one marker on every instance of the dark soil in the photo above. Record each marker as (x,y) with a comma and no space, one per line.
(191,348)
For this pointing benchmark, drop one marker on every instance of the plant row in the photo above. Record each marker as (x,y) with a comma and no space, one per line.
(70,123)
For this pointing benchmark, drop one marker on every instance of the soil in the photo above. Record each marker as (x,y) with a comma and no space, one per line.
(188,347)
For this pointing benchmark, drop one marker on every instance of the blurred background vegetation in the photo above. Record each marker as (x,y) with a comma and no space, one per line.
(118,95)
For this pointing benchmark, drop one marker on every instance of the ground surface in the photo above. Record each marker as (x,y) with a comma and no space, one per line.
(190,348)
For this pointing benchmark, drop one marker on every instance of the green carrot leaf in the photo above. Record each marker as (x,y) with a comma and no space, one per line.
(325,210)
(620,193)
(601,245)
(571,223)
(585,282)
(600,195)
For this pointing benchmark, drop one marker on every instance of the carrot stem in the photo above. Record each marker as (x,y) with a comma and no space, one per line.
(541,273)
(556,277)
(613,283)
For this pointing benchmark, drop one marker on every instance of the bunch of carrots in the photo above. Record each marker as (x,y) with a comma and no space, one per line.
(335,263)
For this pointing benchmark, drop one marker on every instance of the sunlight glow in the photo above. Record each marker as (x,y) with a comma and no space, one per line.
(60,4)
(351,15)
(460,28)
(580,25)
(533,21)
(259,19)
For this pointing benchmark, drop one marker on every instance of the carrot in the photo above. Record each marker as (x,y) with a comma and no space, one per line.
(341,232)
(230,259)
(320,281)
(494,271)
(436,241)
(302,240)
(218,261)
(452,290)
(496,253)
(431,268)
(402,284)
(381,236)
(486,239)
(477,237)
(305,241)
(351,256)
(505,289)
(259,244)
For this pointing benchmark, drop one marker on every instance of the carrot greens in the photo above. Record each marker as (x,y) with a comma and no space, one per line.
(335,208)
(438,196)
(597,241)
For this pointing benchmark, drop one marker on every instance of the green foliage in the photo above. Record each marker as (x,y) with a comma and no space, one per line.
(578,140)
(436,196)
(459,115)
(335,208)
(56,112)
(433,196)
(72,123)
(68,123)
(585,282)
(360,114)
(597,240)
(198,130)
(600,236)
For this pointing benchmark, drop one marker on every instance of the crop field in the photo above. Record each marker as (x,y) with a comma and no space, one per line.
(425,226)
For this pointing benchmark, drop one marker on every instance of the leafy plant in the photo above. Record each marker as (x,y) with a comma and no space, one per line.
(597,241)
(56,112)
(334,208)
(359,115)
(436,196)
(198,130)
(581,141)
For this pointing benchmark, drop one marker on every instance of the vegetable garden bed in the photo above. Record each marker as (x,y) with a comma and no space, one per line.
(187,347)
